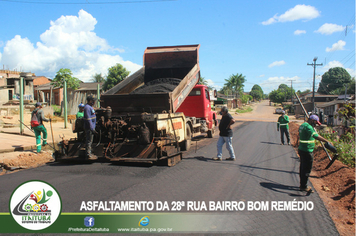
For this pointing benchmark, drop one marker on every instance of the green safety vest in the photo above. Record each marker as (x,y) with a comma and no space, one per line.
(80,115)
(283,122)
(307,136)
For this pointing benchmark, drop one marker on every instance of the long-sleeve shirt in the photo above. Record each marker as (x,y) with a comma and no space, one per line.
(89,117)
(283,122)
(40,115)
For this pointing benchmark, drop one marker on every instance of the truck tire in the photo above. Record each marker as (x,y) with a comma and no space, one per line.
(211,131)
(185,145)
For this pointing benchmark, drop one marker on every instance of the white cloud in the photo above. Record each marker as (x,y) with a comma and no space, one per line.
(336,46)
(212,84)
(299,12)
(298,32)
(329,29)
(262,76)
(272,83)
(276,63)
(71,43)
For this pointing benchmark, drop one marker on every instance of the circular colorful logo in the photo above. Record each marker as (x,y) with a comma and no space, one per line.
(35,205)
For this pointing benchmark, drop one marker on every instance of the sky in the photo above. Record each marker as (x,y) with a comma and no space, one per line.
(268,42)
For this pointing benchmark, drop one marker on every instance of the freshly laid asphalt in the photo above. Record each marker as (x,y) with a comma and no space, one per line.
(264,172)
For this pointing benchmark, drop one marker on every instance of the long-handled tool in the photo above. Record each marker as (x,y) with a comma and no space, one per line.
(50,121)
(329,146)
(35,134)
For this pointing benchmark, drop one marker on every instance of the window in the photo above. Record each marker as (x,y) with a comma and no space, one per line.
(207,94)
(195,92)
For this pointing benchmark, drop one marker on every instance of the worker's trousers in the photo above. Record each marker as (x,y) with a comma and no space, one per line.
(306,164)
(38,130)
(88,141)
(229,147)
(285,131)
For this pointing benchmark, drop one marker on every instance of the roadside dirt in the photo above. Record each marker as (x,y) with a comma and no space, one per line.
(335,186)
(23,160)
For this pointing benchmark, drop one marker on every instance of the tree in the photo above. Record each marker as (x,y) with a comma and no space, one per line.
(116,74)
(333,79)
(245,98)
(277,96)
(234,84)
(98,78)
(349,86)
(256,92)
(203,81)
(65,75)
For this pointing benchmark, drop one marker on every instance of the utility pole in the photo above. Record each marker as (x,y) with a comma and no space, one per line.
(291,94)
(314,66)
(345,92)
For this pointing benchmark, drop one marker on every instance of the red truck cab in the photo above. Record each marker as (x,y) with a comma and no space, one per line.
(197,106)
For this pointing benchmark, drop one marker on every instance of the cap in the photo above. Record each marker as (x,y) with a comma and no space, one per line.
(38,104)
(90,98)
(316,118)
(81,105)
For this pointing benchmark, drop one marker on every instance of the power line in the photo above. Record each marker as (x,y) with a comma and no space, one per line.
(86,2)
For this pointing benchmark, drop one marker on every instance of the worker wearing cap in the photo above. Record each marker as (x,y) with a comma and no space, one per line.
(40,128)
(79,122)
(307,136)
(282,125)
(80,113)
(89,126)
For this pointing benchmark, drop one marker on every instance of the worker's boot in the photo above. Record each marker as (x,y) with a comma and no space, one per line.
(92,157)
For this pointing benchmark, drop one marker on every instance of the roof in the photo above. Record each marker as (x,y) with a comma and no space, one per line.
(335,102)
(89,86)
(83,86)
(47,86)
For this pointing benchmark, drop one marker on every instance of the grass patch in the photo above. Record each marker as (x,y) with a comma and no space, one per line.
(244,110)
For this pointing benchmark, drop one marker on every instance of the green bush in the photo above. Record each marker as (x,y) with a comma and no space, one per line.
(345,145)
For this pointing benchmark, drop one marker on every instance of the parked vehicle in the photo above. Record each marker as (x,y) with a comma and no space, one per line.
(279,111)
(152,115)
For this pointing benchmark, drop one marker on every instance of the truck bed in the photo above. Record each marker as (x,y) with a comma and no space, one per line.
(177,62)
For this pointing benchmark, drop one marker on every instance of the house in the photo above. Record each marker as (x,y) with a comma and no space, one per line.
(37,81)
(47,93)
(230,101)
(330,111)
(10,86)
(306,100)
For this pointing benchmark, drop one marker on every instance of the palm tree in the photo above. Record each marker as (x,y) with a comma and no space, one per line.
(98,78)
(235,83)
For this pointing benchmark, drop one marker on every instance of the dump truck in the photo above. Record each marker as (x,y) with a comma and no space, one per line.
(152,115)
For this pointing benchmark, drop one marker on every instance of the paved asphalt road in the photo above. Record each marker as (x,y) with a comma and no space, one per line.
(264,172)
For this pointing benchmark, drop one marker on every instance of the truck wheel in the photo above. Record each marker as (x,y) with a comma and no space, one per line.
(185,145)
(211,131)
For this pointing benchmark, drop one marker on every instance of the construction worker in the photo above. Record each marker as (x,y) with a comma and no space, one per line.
(307,136)
(89,126)
(282,125)
(79,122)
(225,135)
(38,112)
(80,113)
